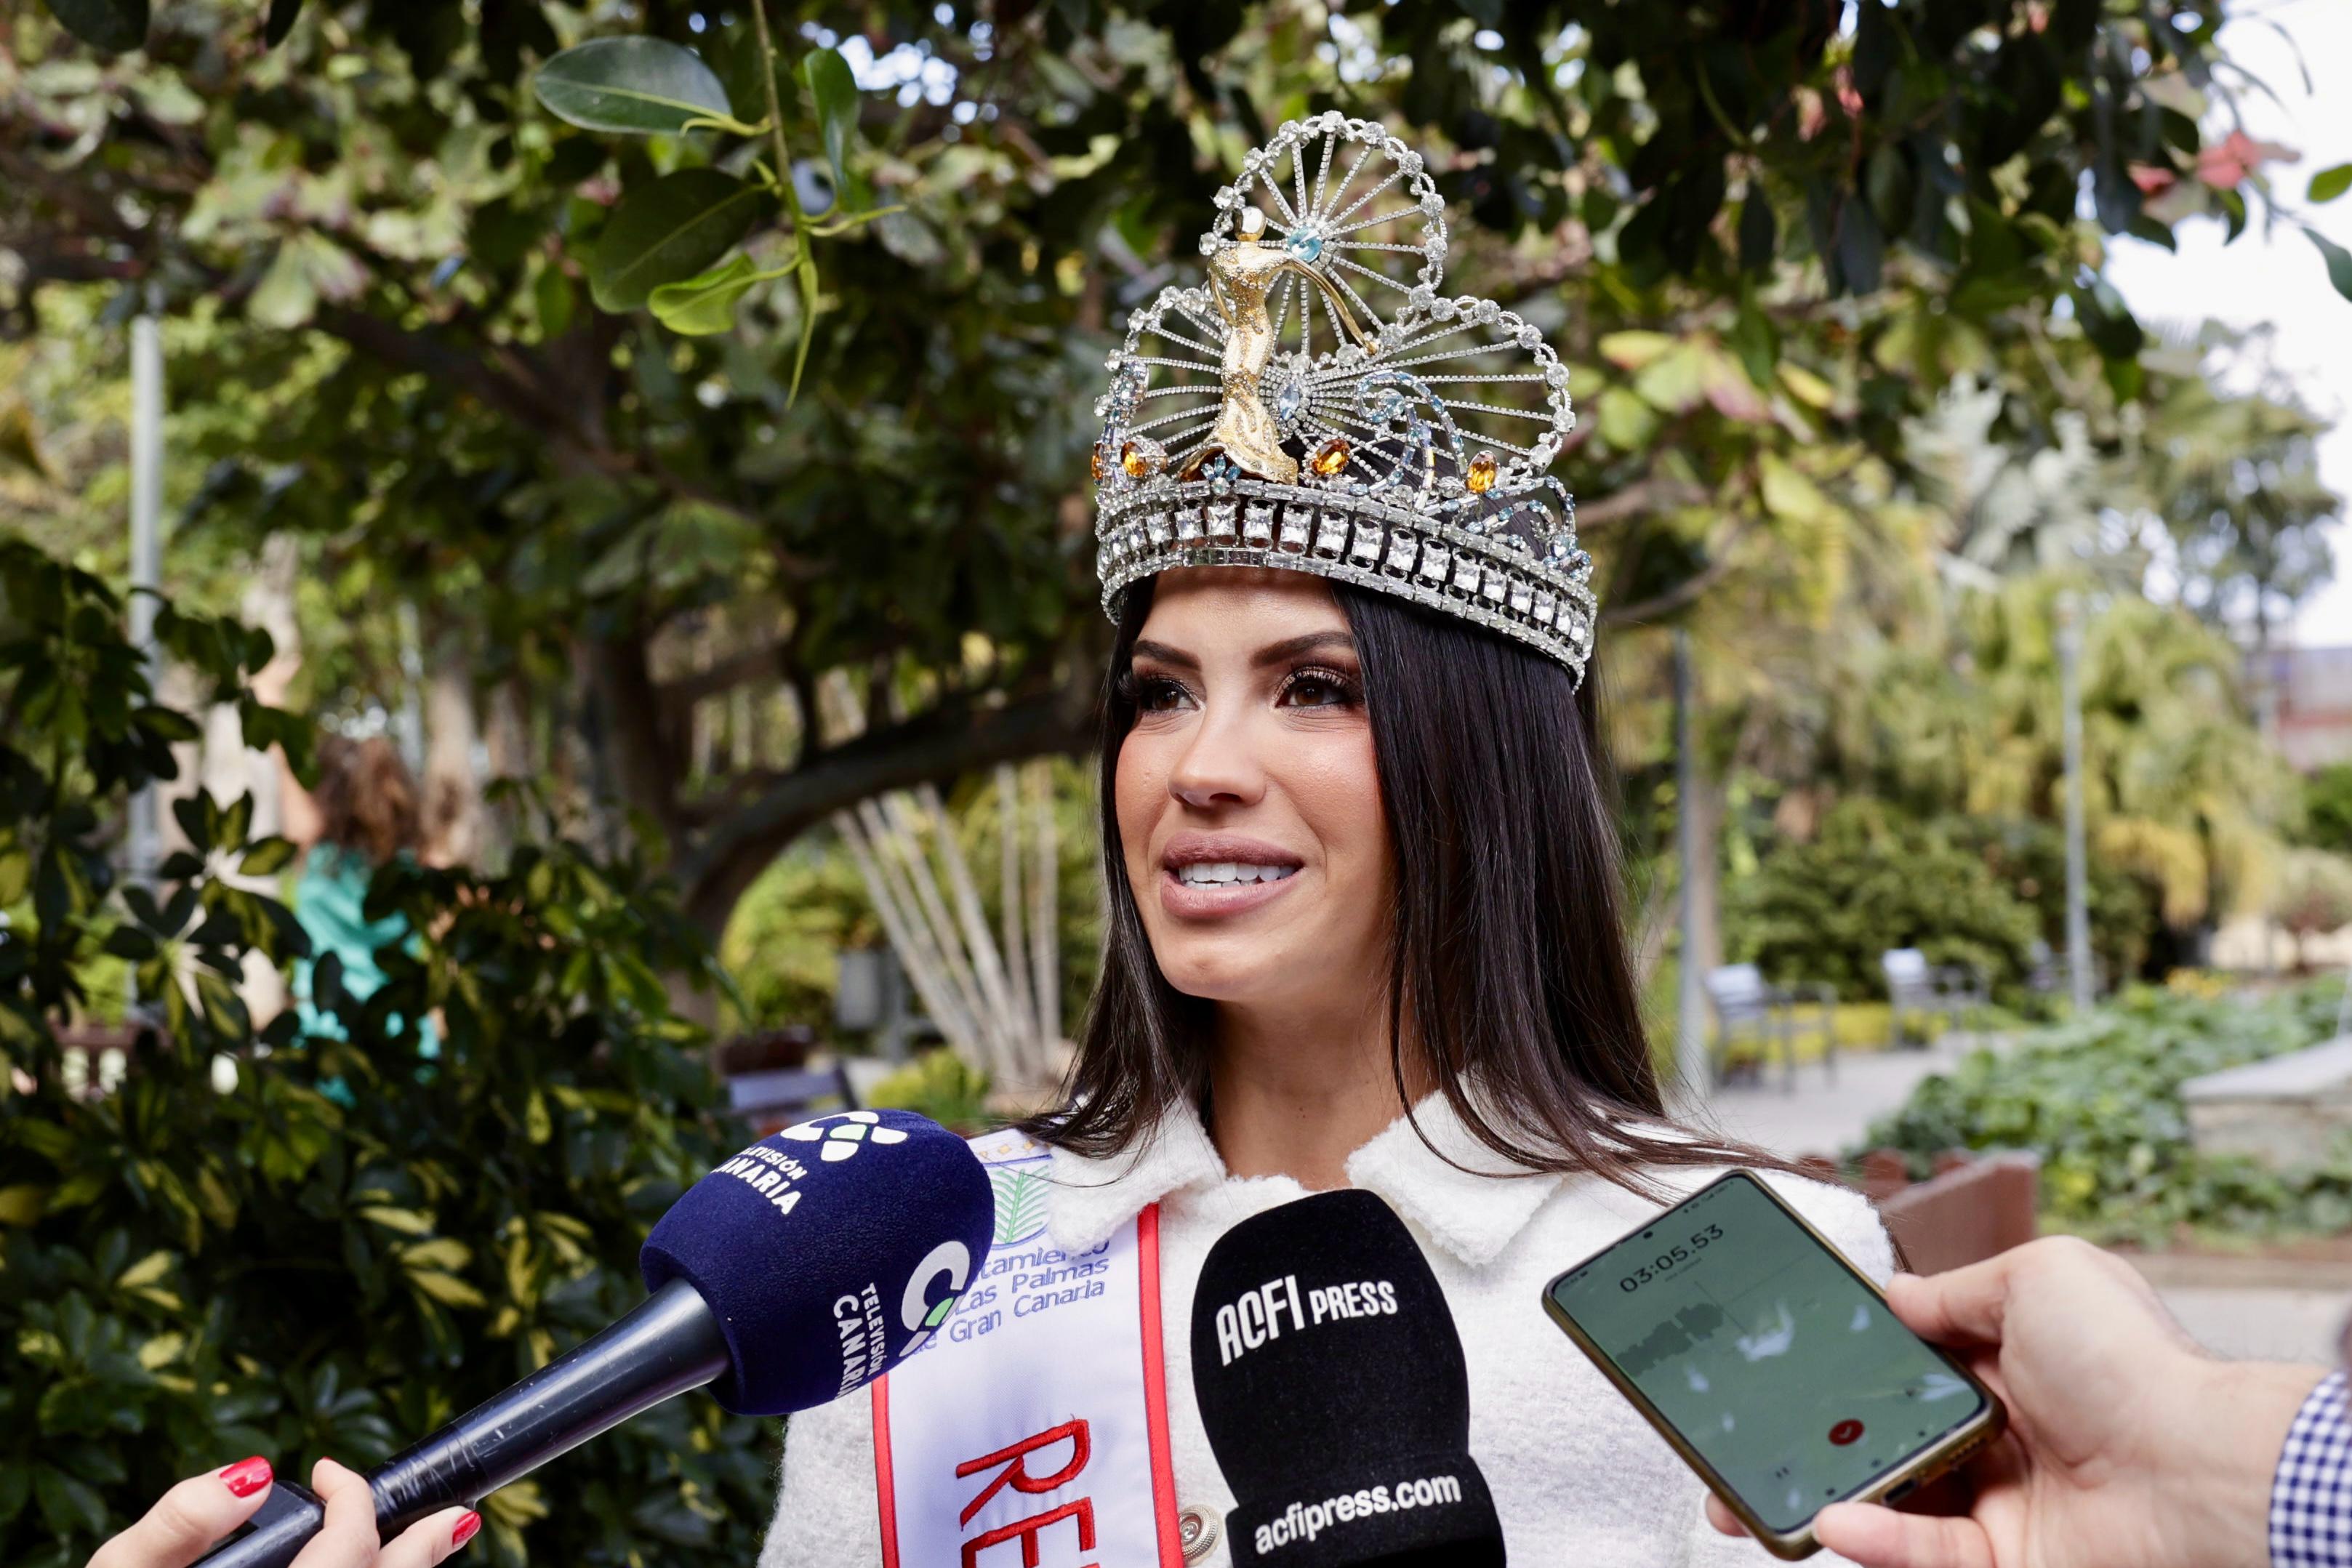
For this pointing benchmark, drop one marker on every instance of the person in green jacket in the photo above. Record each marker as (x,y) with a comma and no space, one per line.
(363,814)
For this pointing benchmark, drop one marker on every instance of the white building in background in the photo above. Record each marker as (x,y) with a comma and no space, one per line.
(2312,688)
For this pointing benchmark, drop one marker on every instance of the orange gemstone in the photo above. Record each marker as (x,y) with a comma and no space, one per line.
(1331,457)
(1482,470)
(1101,469)
(1141,458)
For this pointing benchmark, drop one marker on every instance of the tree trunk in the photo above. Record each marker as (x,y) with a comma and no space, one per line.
(451,790)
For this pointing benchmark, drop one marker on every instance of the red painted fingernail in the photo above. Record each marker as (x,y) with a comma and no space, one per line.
(247,1476)
(467,1523)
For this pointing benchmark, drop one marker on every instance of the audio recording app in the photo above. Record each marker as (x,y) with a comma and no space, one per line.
(1771,1359)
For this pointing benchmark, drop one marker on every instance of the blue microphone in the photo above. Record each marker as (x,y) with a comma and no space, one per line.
(798,1271)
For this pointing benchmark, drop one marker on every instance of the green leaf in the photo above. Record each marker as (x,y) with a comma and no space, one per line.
(196,816)
(267,857)
(834,89)
(115,25)
(2339,262)
(2108,321)
(2330,184)
(68,1505)
(704,303)
(640,87)
(807,271)
(282,21)
(668,231)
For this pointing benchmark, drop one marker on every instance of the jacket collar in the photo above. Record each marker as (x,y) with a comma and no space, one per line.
(1472,1213)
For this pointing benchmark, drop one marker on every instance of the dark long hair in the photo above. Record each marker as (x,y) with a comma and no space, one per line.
(1508,952)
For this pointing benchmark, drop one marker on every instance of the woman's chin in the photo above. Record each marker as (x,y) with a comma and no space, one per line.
(1229,970)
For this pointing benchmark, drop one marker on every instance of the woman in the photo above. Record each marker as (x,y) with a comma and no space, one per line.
(363,814)
(1363,925)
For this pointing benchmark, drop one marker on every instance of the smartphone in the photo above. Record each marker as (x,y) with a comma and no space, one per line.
(1773,1366)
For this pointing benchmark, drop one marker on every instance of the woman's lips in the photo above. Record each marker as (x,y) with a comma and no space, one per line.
(1210,900)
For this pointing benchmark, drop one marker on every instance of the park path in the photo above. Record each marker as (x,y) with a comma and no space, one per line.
(2236,1308)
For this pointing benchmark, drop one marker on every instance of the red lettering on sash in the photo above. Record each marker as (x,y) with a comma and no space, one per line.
(1025,1532)
(1017,1474)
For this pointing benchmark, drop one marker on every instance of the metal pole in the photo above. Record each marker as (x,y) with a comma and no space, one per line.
(1690,1009)
(146,550)
(2078,876)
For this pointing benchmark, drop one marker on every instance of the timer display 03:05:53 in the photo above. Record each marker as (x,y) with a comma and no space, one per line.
(1666,1260)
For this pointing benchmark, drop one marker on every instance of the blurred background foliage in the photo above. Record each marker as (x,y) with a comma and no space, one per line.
(260,1243)
(2098,1098)
(1828,277)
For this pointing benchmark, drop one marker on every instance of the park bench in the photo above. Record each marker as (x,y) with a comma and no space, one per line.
(1915,985)
(1748,1007)
(772,1084)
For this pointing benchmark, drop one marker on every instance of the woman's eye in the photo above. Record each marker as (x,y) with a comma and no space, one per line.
(1318,688)
(1157,693)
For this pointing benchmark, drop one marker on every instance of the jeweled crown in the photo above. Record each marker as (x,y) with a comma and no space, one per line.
(1318,406)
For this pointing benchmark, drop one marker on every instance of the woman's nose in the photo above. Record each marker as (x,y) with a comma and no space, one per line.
(1219,767)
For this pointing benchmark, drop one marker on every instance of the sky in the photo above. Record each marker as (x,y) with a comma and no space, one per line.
(2278,279)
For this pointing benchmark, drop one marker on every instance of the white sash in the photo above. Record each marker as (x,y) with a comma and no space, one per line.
(1034,1428)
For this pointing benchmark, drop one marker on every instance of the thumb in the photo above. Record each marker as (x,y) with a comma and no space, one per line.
(1960,1306)
(1879,1537)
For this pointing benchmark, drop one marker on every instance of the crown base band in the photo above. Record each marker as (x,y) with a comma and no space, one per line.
(1257,523)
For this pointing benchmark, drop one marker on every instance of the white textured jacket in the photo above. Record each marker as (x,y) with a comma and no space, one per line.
(1576,1476)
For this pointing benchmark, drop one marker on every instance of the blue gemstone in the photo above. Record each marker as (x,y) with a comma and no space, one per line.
(1289,400)
(1302,246)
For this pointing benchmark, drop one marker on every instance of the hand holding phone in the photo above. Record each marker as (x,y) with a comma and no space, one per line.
(2128,1445)
(1769,1362)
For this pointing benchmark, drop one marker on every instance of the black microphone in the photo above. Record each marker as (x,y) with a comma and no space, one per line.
(1330,1379)
(800,1270)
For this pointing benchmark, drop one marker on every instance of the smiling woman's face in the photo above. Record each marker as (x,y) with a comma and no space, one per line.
(1248,804)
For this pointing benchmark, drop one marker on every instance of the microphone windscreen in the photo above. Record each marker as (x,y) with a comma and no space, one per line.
(1330,1379)
(827,1252)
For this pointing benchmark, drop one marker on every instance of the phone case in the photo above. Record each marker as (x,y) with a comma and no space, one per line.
(1953,1448)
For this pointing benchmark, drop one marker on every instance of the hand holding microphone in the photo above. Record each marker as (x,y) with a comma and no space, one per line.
(203,1508)
(800,1270)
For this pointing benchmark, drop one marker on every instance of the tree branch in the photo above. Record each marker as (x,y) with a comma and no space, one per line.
(721,863)
(1682,594)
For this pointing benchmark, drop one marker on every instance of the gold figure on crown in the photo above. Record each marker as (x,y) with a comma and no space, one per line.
(1240,276)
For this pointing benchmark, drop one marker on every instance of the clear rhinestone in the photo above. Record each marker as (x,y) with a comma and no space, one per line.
(1465,575)
(1400,553)
(1544,605)
(1493,587)
(1433,562)
(1297,522)
(1367,548)
(1330,535)
(1523,598)
(1156,526)
(1221,522)
(1258,525)
(1188,525)
(1528,337)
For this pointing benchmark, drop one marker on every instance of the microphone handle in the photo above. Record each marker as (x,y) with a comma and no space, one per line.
(668,1344)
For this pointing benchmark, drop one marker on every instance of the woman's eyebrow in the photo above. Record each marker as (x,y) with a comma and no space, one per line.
(1333,641)
(1146,649)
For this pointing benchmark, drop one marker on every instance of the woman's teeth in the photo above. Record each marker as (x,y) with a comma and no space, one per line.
(1203,874)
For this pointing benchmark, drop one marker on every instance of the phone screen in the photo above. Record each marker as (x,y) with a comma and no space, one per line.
(1765,1350)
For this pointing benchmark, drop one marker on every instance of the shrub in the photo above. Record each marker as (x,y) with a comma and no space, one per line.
(2099,1099)
(1826,910)
(1970,890)
(188,1276)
